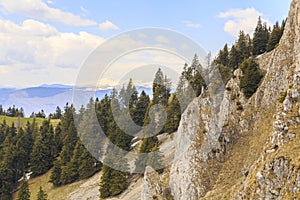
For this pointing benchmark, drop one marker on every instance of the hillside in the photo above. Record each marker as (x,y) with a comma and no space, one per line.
(246,148)
(229,144)
(23,121)
(89,188)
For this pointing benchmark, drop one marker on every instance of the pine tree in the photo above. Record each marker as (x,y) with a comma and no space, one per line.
(173,115)
(184,90)
(89,129)
(114,182)
(58,139)
(194,76)
(6,170)
(243,46)
(161,93)
(251,77)
(82,165)
(42,155)
(223,56)
(23,149)
(158,87)
(69,143)
(260,38)
(24,193)
(42,195)
(57,114)
(141,107)
(69,172)
(103,113)
(275,37)
(55,177)
(1,110)
(88,165)
(147,145)
(234,58)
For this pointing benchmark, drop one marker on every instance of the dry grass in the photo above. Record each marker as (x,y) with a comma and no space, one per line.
(243,153)
(54,193)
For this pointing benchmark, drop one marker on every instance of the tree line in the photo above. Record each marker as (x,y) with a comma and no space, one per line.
(242,55)
(12,111)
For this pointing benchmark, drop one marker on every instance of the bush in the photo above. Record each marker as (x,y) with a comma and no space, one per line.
(282,96)
(239,106)
(251,78)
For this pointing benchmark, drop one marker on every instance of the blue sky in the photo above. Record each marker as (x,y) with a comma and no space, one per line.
(47,41)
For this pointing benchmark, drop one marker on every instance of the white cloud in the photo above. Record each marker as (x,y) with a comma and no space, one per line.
(35,53)
(50,2)
(191,24)
(107,25)
(37,9)
(162,39)
(241,19)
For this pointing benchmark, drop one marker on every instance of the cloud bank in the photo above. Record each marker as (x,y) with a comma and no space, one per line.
(241,19)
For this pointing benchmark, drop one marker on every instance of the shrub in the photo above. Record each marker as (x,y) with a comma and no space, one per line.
(282,96)
(251,78)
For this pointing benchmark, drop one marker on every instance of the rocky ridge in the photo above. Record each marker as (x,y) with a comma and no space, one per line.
(249,148)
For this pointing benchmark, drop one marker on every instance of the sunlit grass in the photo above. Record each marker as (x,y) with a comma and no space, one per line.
(23,121)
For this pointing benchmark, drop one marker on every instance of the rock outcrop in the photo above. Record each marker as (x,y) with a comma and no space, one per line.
(152,188)
(249,148)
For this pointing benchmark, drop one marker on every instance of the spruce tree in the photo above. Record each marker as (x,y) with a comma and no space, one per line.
(251,77)
(260,38)
(1,110)
(58,113)
(173,115)
(69,172)
(275,37)
(7,178)
(88,165)
(103,113)
(234,58)
(194,76)
(42,195)
(55,177)
(89,130)
(113,182)
(141,107)
(243,46)
(147,145)
(23,149)
(69,143)
(184,90)
(42,155)
(58,139)
(223,56)
(24,193)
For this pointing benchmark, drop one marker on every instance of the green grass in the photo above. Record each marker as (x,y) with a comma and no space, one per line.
(23,121)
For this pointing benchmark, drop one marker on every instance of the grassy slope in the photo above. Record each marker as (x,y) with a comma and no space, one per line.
(59,193)
(10,120)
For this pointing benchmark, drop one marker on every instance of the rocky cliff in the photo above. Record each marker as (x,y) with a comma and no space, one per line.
(248,148)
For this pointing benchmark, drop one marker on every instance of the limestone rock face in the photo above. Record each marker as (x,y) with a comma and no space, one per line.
(252,135)
(231,147)
(151,185)
(182,170)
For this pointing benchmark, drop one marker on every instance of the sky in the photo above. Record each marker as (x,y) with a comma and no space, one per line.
(48,41)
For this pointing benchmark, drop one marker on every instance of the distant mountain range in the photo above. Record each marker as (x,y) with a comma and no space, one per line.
(47,97)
